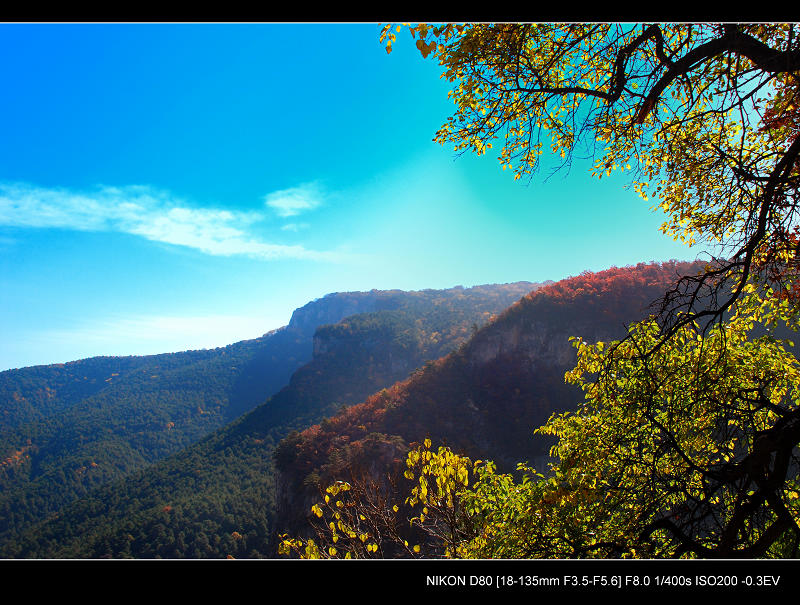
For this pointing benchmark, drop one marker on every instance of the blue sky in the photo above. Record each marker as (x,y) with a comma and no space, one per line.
(176,186)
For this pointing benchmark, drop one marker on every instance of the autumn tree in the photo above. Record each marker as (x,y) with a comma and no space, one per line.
(687,442)
(367,518)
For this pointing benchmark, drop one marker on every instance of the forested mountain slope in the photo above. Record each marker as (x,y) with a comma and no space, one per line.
(485,399)
(214,499)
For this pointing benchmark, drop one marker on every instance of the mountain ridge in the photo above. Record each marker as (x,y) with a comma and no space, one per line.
(485,399)
(405,338)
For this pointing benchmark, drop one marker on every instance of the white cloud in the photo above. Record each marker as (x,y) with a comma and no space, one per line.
(151,214)
(294,201)
(294,227)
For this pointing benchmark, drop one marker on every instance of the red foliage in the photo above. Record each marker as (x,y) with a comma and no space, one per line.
(503,399)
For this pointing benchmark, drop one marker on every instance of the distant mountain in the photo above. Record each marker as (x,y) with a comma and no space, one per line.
(484,399)
(215,498)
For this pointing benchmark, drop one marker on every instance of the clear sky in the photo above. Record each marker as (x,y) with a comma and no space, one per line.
(178,186)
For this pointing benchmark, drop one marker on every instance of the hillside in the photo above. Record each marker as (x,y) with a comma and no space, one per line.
(214,498)
(485,399)
(68,428)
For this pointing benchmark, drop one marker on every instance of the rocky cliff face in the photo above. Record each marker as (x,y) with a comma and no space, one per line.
(536,343)
(332,308)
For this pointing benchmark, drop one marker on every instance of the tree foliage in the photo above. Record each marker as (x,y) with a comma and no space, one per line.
(691,449)
(364,518)
(687,443)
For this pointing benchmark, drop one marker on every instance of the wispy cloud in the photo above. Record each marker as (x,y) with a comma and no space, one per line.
(154,215)
(294,201)
(294,227)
